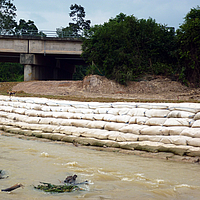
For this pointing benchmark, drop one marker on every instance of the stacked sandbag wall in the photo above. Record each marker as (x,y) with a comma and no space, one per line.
(152,127)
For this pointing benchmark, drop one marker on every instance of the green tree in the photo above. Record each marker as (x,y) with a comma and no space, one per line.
(11,72)
(27,28)
(7,16)
(79,24)
(188,36)
(125,47)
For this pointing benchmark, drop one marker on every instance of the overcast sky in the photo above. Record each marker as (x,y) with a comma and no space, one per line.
(52,14)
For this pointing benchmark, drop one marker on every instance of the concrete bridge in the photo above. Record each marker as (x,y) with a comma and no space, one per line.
(44,58)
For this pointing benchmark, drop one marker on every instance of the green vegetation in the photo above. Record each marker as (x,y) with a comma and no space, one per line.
(11,72)
(47,187)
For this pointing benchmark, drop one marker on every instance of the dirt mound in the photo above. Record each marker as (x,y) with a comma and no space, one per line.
(98,86)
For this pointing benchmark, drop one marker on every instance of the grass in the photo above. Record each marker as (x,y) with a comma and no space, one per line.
(5,86)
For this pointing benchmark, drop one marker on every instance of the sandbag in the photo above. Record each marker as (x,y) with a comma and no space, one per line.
(191,132)
(88,116)
(113,135)
(101,110)
(126,137)
(157,113)
(197,116)
(120,119)
(107,117)
(180,114)
(194,142)
(46,108)
(137,112)
(33,120)
(113,111)
(152,106)
(96,124)
(79,123)
(67,130)
(113,126)
(176,130)
(155,121)
(176,140)
(123,105)
(187,109)
(196,124)
(46,120)
(124,111)
(34,113)
(132,128)
(154,130)
(177,122)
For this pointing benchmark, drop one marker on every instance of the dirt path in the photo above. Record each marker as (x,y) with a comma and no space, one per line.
(94,86)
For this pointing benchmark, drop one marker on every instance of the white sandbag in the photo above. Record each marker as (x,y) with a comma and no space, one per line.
(46,120)
(141,120)
(3,114)
(196,124)
(177,122)
(67,130)
(113,126)
(88,116)
(126,137)
(187,109)
(33,120)
(123,105)
(71,110)
(78,116)
(157,113)
(138,120)
(124,111)
(7,109)
(56,109)
(46,108)
(132,120)
(137,112)
(197,116)
(180,114)
(153,106)
(176,130)
(133,128)
(34,113)
(46,114)
(96,124)
(78,106)
(123,119)
(151,138)
(12,116)
(154,130)
(63,115)
(19,111)
(66,122)
(21,118)
(101,110)
(155,121)
(113,135)
(107,117)
(48,128)
(87,111)
(51,103)
(79,131)
(36,107)
(191,132)
(194,142)
(80,123)
(176,140)
(113,111)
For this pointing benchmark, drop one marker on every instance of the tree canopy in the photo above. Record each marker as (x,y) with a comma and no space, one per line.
(126,47)
(188,36)
(7,16)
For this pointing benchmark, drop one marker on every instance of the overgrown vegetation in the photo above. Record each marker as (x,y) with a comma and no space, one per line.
(11,72)
(126,47)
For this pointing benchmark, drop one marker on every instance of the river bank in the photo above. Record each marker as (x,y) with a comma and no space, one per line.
(136,127)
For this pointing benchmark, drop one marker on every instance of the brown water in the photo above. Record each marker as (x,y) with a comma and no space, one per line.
(111,175)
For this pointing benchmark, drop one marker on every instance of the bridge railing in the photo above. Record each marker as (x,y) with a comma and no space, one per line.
(39,33)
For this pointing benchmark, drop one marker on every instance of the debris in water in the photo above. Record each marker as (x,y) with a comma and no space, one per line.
(18,185)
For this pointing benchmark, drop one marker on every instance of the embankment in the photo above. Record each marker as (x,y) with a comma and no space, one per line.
(151,127)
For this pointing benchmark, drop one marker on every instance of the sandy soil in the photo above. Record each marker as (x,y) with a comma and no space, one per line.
(94,86)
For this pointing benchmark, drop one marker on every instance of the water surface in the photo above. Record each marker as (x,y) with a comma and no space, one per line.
(111,175)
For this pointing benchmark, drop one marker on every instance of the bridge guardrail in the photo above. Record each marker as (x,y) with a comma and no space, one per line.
(40,33)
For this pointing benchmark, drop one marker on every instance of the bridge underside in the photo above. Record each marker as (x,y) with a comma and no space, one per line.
(45,67)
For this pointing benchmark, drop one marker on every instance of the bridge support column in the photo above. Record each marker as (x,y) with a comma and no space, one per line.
(28,72)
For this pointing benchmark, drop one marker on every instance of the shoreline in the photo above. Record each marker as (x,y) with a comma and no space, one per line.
(157,155)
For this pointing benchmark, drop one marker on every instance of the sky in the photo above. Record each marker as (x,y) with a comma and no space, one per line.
(51,14)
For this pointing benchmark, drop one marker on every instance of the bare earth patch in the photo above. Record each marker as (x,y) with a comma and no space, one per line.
(94,86)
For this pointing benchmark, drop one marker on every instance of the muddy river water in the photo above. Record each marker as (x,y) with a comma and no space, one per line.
(111,175)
